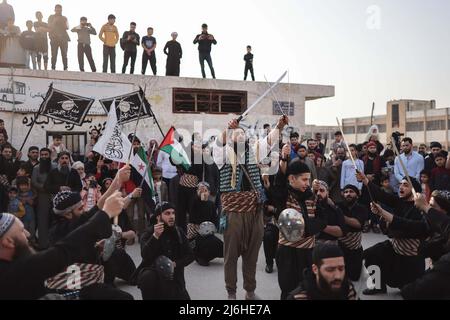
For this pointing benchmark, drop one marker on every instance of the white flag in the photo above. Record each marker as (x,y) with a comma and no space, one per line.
(114,144)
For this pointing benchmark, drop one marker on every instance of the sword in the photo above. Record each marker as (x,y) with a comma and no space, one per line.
(265,94)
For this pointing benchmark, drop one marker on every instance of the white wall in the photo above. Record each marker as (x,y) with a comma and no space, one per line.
(158,92)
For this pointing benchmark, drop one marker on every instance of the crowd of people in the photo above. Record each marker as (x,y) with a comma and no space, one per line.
(63,208)
(34,41)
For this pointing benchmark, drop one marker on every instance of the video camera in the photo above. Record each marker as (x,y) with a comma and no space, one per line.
(397,138)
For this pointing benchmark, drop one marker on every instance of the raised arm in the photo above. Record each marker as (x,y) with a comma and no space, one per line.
(121,177)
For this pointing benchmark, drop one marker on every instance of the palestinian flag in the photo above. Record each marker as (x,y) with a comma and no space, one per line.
(141,174)
(175,150)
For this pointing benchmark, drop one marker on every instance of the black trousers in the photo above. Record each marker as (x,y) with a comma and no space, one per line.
(353,262)
(184,202)
(208,248)
(396,270)
(206,56)
(120,265)
(55,46)
(126,59)
(153,287)
(247,69)
(85,49)
(109,53)
(271,236)
(173,68)
(291,264)
(145,59)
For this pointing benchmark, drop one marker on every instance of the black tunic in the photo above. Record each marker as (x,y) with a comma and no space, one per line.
(202,211)
(173,244)
(56,180)
(174,52)
(23,279)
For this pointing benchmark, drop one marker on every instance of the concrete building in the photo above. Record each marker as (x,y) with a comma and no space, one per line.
(418,119)
(191,105)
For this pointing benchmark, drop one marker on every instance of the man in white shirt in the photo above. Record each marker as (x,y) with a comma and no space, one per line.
(169,171)
(348,172)
(412,160)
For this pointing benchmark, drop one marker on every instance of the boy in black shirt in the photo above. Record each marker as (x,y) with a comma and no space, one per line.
(41,29)
(149,45)
(129,43)
(205,40)
(28,43)
(249,63)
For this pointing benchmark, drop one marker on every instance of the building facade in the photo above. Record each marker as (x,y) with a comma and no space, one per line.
(418,119)
(190,104)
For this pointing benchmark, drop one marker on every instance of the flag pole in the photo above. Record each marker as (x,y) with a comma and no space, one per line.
(152,113)
(146,167)
(36,116)
(135,131)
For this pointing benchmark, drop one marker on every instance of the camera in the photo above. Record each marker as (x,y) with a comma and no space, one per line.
(396,136)
(93,184)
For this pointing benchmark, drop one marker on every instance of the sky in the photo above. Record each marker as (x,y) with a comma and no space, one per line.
(371,51)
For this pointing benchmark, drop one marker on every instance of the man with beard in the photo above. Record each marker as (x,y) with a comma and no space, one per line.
(168,240)
(23,273)
(435,283)
(64,177)
(295,144)
(327,281)
(398,258)
(372,163)
(313,146)
(355,215)
(68,208)
(38,178)
(334,166)
(413,161)
(372,169)
(240,188)
(8,164)
(8,170)
(320,146)
(206,247)
(33,156)
(303,156)
(335,219)
(294,257)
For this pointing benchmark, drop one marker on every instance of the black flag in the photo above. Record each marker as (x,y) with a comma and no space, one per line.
(128,106)
(67,107)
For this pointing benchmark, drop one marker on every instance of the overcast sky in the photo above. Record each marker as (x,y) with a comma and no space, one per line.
(369,50)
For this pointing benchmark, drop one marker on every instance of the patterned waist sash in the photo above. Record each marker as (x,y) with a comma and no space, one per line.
(352,240)
(305,243)
(189,181)
(77,277)
(406,247)
(240,202)
(192,231)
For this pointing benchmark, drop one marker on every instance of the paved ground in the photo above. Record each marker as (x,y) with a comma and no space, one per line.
(207,283)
